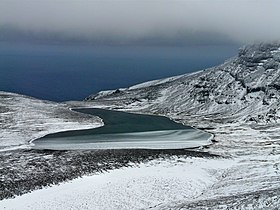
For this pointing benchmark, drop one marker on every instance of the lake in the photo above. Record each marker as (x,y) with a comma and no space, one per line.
(62,72)
(123,130)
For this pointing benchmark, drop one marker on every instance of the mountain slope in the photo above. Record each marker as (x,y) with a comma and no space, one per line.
(245,88)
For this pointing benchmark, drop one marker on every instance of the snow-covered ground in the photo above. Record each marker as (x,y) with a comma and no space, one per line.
(253,182)
(141,186)
(23,119)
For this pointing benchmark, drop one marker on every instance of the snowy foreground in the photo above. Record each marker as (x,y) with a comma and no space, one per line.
(140,186)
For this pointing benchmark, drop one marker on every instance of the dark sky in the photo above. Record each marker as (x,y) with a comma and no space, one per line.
(157,22)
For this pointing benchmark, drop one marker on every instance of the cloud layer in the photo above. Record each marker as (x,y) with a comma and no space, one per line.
(162,21)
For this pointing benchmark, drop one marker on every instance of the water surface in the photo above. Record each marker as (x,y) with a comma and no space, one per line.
(61,72)
(126,131)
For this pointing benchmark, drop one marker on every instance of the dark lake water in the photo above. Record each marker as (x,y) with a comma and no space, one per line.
(60,72)
(125,130)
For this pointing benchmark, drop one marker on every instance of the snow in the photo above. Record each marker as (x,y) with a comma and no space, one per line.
(154,82)
(252,181)
(140,186)
(24,119)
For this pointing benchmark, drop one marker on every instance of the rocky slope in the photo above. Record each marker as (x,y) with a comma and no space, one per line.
(245,88)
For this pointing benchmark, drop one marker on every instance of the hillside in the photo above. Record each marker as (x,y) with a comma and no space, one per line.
(246,88)
(24,118)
